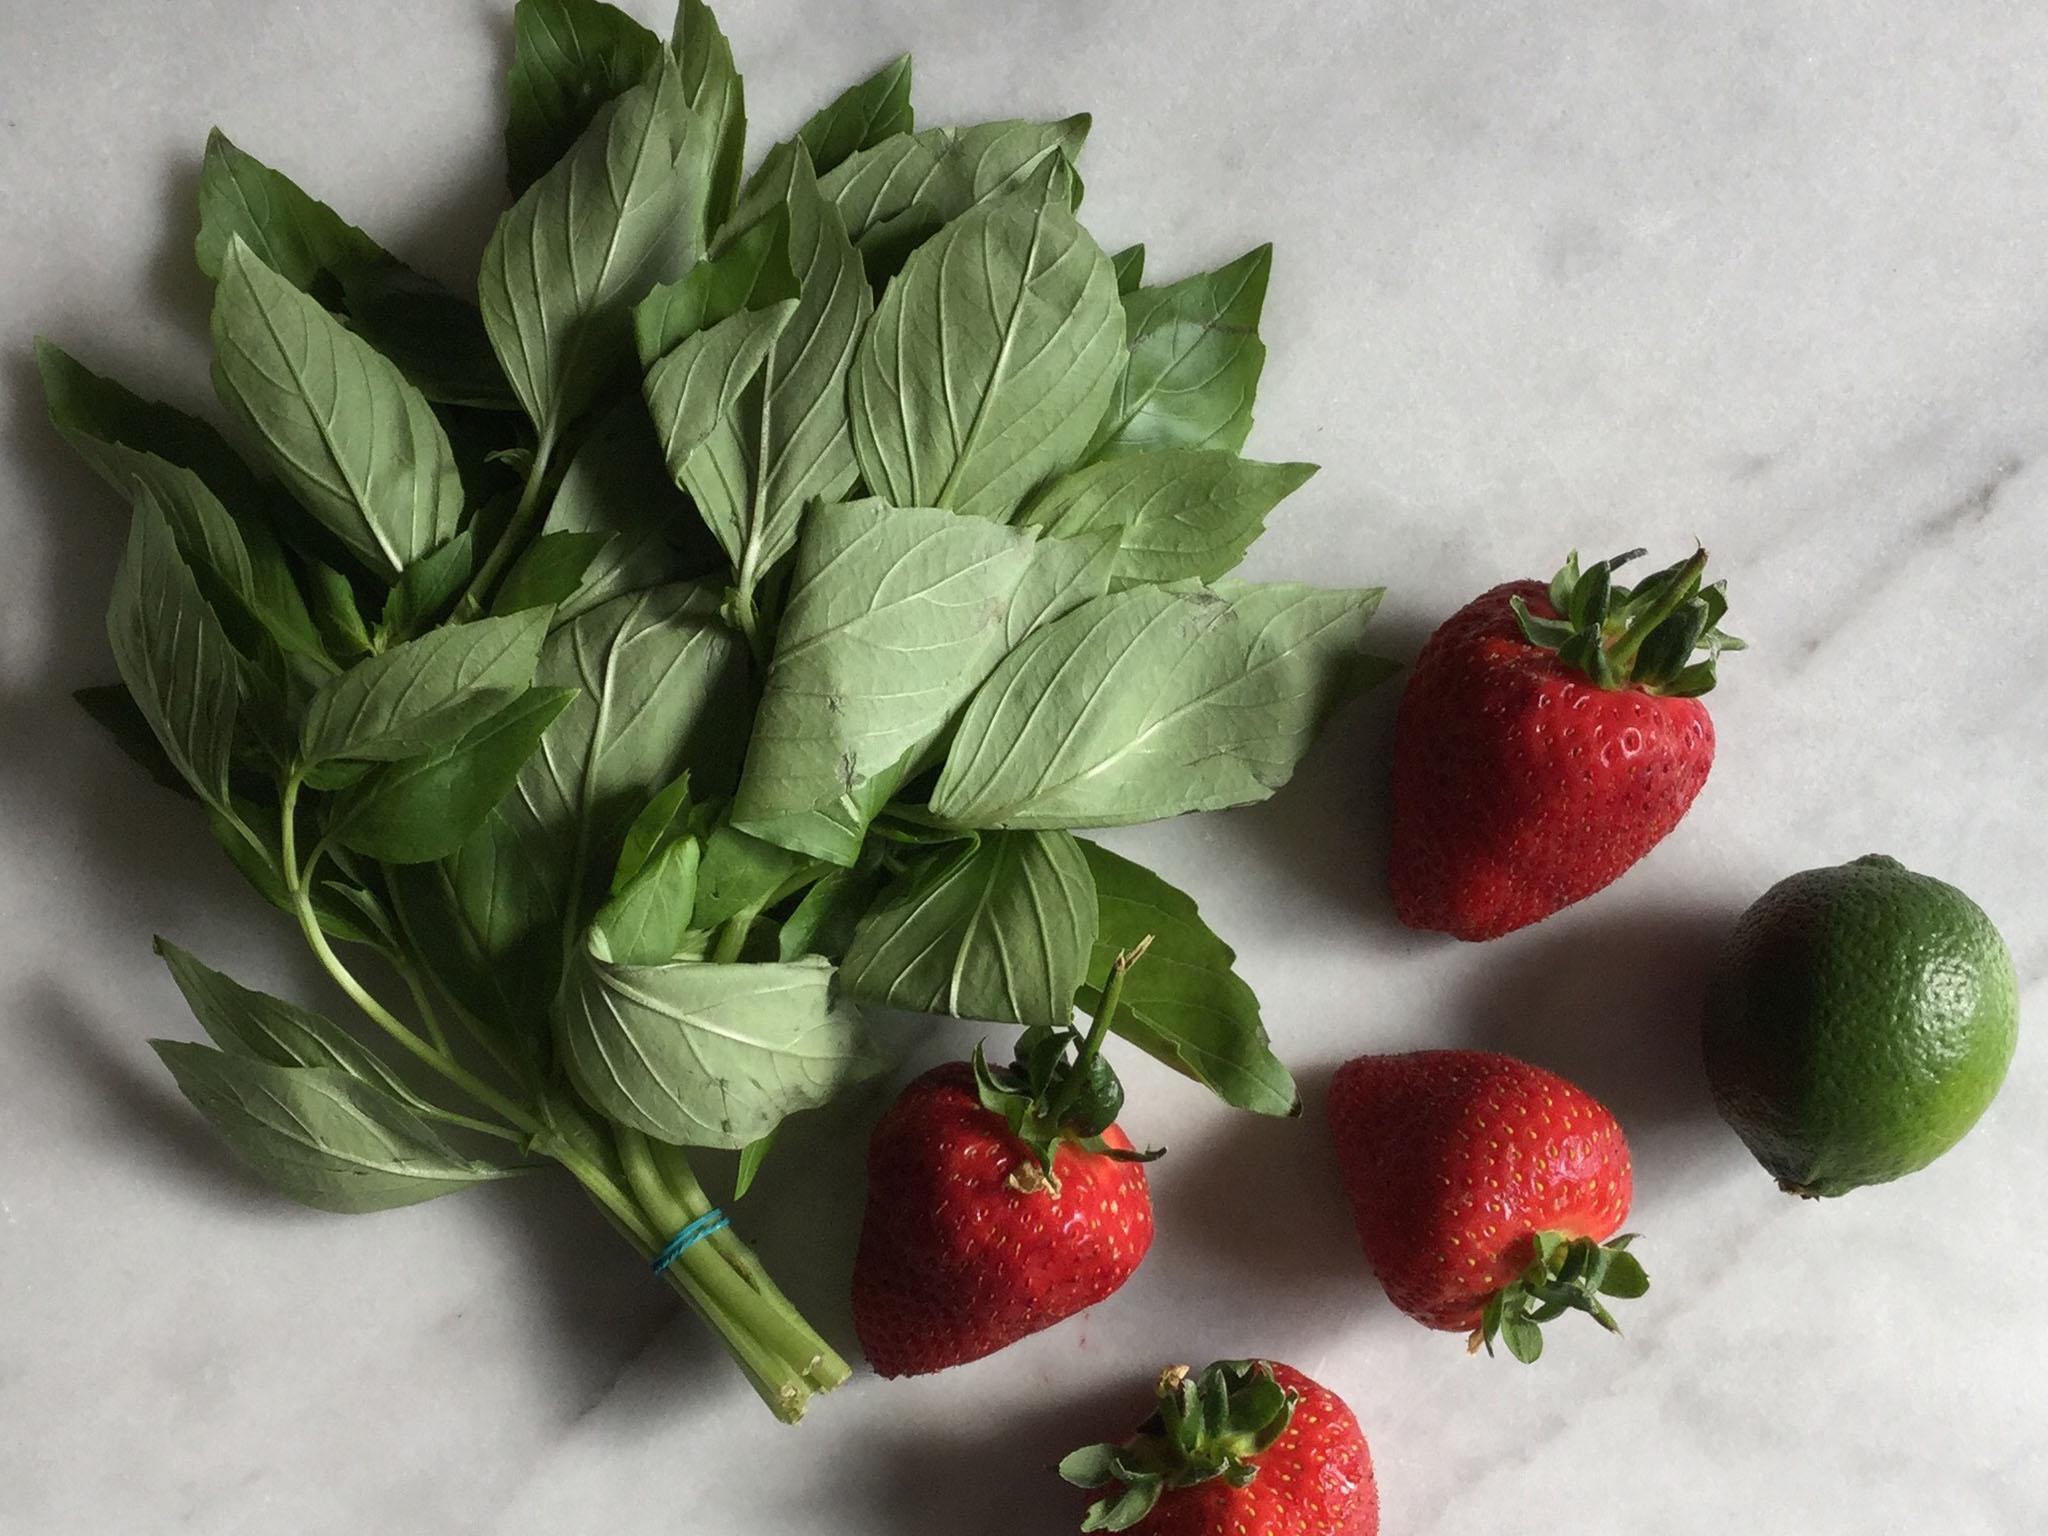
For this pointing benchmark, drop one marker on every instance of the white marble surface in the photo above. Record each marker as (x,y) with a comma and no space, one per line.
(1547,275)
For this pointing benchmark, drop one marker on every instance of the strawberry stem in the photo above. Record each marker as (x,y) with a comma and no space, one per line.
(1564,1274)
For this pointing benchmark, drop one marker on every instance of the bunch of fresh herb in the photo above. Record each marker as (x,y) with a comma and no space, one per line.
(723,620)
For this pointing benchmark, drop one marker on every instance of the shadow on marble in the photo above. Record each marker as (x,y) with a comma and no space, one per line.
(132,1105)
(1611,1000)
(1263,1198)
(1327,829)
(985,1469)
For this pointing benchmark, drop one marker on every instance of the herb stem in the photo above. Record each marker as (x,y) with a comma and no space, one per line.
(516,529)
(1098,1031)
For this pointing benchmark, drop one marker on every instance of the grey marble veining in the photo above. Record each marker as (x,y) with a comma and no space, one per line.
(1598,275)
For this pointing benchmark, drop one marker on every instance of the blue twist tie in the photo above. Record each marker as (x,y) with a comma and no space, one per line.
(711,1221)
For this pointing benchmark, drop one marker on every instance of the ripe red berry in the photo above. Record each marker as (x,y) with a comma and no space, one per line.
(1485,1191)
(1248,1446)
(1548,739)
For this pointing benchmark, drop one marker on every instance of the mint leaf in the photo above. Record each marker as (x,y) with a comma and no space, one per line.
(1186,1005)
(569,57)
(172,653)
(1194,364)
(999,928)
(894,617)
(319,1135)
(705,1055)
(989,359)
(358,445)
(1183,513)
(424,694)
(1236,684)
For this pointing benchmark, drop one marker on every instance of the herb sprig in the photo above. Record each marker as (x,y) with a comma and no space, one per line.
(722,620)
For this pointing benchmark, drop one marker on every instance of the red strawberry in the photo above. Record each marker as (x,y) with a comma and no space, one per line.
(999,1203)
(1248,1446)
(1484,1190)
(1547,740)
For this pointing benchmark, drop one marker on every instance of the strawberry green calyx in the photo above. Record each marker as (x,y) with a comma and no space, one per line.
(1566,1274)
(1048,1096)
(1642,637)
(1213,1425)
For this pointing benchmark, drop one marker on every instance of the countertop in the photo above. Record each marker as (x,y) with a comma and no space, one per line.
(1591,276)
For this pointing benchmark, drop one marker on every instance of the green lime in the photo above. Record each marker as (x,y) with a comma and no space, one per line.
(1859,1021)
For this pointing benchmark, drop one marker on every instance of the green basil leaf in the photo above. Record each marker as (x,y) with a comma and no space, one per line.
(745,874)
(91,409)
(885,247)
(424,808)
(644,924)
(173,654)
(861,116)
(298,237)
(751,271)
(319,1135)
(707,1055)
(1194,364)
(946,170)
(252,847)
(1186,1004)
(1129,265)
(428,588)
(894,617)
(758,467)
(1186,513)
(244,1022)
(434,336)
(1062,575)
(620,213)
(661,821)
(358,445)
(126,438)
(692,393)
(550,572)
(752,1156)
(1151,702)
(425,693)
(989,359)
(662,686)
(997,929)
(716,103)
(331,599)
(114,710)
(436,925)
(617,485)
(569,57)
(824,921)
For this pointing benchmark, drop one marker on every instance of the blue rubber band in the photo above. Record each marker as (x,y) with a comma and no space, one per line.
(711,1221)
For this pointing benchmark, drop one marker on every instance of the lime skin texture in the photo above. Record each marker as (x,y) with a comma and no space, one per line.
(1860,1019)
